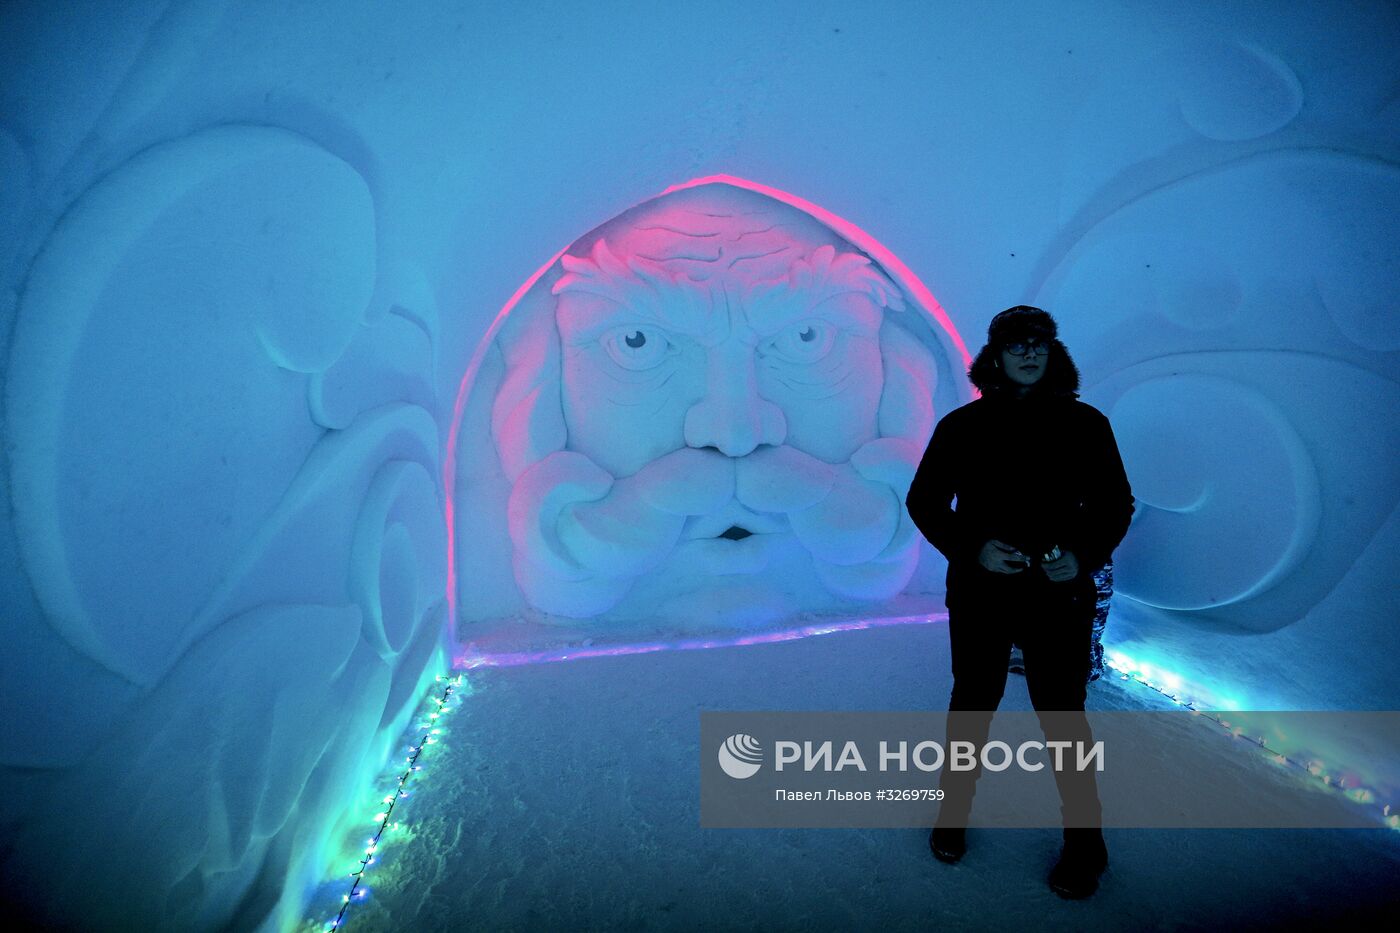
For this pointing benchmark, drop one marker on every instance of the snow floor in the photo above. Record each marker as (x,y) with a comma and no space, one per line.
(567,797)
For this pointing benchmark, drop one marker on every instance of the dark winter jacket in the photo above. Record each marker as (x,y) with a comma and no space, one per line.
(1037,472)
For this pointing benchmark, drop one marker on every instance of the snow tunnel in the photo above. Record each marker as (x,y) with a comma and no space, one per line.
(418,419)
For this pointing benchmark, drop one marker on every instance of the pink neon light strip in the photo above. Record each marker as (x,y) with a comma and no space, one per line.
(449,458)
(466,662)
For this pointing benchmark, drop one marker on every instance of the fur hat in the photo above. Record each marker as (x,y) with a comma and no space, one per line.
(1024,322)
(1020,323)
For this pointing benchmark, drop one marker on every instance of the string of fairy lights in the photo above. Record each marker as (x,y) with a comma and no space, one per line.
(431,730)
(1170,688)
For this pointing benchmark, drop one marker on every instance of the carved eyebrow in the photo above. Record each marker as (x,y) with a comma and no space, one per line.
(635,289)
(814,281)
(584,318)
(769,318)
(581,321)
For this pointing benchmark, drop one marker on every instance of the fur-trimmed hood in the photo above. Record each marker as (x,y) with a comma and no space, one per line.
(1022,322)
(1061,375)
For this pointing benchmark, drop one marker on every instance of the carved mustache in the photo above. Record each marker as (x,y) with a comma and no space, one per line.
(574,521)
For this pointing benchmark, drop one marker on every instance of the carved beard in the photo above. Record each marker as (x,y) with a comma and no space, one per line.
(582,536)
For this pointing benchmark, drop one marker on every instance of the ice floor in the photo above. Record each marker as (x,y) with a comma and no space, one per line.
(567,798)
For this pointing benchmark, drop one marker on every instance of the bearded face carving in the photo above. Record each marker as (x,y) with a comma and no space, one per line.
(711,409)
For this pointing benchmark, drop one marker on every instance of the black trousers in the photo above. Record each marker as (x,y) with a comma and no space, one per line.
(1053,625)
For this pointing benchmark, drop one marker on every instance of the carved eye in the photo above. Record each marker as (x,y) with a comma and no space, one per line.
(803,342)
(637,348)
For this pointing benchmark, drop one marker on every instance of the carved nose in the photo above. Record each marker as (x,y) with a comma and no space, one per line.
(732,417)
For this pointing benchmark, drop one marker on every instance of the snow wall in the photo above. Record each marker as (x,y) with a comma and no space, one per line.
(250,251)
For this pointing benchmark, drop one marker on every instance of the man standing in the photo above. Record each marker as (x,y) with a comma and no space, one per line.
(1041,502)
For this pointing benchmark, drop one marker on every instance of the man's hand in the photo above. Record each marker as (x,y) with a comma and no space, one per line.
(1065,567)
(999,557)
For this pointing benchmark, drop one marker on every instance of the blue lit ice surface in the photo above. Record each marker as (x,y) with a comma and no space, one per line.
(1211,705)
(429,732)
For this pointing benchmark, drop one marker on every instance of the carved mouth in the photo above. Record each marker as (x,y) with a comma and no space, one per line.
(734,522)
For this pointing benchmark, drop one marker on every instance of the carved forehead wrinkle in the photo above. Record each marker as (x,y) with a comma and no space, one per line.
(701,247)
(710,228)
(676,259)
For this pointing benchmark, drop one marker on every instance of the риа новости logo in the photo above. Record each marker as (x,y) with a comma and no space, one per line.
(740,756)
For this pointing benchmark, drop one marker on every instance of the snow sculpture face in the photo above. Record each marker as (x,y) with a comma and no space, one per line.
(761,352)
(728,440)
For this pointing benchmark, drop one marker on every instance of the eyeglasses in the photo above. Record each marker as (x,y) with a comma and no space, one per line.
(1025,347)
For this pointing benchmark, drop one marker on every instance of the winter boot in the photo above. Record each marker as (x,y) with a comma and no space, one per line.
(1082,860)
(948,843)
